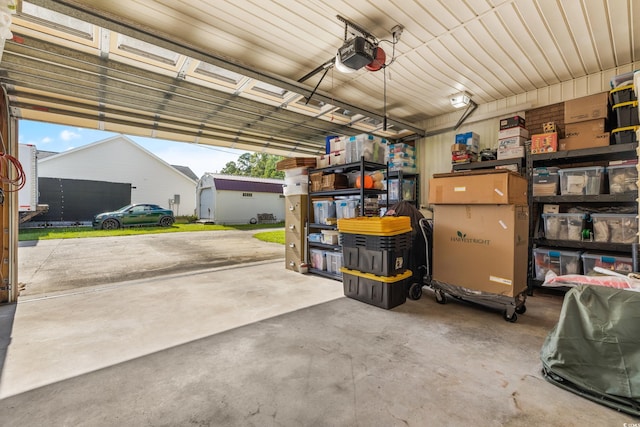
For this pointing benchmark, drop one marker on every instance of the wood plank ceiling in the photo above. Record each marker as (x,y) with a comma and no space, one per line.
(226,72)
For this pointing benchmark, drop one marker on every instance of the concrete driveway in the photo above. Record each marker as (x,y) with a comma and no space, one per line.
(49,266)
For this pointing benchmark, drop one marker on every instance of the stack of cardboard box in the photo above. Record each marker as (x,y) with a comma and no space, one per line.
(512,137)
(585,123)
(481,229)
(466,148)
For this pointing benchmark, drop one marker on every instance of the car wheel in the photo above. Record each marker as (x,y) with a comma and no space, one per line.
(166,221)
(110,224)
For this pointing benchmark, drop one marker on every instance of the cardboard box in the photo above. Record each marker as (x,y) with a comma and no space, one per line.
(590,133)
(511,132)
(510,152)
(498,186)
(337,144)
(514,141)
(458,147)
(600,140)
(296,162)
(544,143)
(490,241)
(335,181)
(337,158)
(586,108)
(587,128)
(512,122)
(471,140)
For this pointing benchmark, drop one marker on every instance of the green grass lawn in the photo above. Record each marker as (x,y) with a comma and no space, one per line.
(79,232)
(276,236)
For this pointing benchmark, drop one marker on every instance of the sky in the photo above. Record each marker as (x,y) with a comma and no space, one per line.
(58,138)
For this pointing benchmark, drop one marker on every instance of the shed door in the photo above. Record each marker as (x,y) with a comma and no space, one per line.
(207,204)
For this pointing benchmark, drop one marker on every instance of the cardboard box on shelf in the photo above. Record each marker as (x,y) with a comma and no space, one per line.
(544,143)
(296,162)
(510,152)
(498,186)
(587,134)
(337,144)
(491,241)
(586,108)
(511,132)
(512,122)
(471,140)
(600,140)
(334,181)
(514,141)
(458,147)
(584,129)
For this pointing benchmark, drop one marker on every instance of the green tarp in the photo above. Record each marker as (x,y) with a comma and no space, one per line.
(594,350)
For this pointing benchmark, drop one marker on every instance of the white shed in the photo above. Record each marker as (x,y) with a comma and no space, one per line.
(227,199)
(119,159)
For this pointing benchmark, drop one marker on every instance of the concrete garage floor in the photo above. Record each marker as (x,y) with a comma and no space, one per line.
(251,343)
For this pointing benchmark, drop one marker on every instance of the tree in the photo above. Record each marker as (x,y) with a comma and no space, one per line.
(258,165)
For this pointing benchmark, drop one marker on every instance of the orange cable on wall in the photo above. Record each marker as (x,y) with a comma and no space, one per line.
(6,162)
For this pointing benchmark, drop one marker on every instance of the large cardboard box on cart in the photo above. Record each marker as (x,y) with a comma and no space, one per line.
(481,247)
(498,186)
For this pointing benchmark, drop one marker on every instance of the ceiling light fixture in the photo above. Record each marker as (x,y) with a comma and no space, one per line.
(460,100)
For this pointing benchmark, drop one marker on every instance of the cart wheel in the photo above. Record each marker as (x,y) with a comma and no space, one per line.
(508,318)
(441,298)
(521,309)
(415,291)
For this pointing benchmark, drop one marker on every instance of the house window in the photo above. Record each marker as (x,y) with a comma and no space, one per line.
(247,194)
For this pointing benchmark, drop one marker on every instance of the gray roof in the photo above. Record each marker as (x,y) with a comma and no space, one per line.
(186,170)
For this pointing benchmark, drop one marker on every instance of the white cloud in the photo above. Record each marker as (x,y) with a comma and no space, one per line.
(68,135)
(46,140)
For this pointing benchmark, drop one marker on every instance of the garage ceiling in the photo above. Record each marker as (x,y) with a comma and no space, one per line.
(226,72)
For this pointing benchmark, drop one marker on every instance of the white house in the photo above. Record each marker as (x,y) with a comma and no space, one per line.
(227,199)
(119,159)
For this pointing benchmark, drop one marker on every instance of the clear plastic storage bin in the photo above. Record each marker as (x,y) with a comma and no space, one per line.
(318,259)
(322,210)
(615,228)
(334,262)
(586,181)
(560,262)
(617,263)
(346,208)
(623,178)
(563,226)
(546,181)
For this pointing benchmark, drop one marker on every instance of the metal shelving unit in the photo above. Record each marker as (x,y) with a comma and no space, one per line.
(361,167)
(488,164)
(576,158)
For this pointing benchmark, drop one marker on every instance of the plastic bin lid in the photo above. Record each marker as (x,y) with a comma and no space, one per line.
(626,104)
(587,168)
(543,170)
(556,252)
(626,129)
(626,165)
(386,279)
(375,226)
(603,257)
(620,88)
(563,214)
(614,215)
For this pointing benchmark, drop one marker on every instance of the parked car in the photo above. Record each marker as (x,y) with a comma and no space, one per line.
(136,214)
